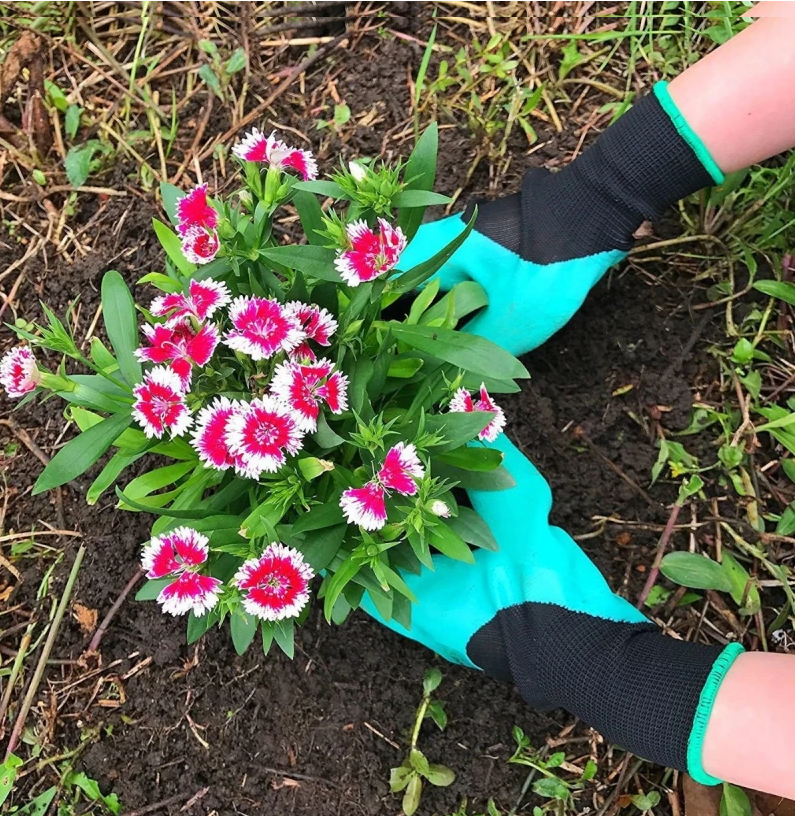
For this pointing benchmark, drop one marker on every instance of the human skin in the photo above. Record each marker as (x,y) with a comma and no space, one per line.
(738,99)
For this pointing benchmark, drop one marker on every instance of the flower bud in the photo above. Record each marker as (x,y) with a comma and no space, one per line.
(440,509)
(358,172)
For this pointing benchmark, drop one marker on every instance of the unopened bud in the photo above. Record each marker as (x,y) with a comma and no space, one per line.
(357,171)
(440,509)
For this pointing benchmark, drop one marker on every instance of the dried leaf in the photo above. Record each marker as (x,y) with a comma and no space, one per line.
(85,616)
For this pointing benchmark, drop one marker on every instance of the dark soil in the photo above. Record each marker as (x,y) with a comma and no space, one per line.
(270,735)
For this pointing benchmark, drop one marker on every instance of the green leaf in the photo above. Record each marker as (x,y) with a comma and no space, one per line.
(467,351)
(337,583)
(734,801)
(78,162)
(284,634)
(237,62)
(786,524)
(473,529)
(431,681)
(411,798)
(121,324)
(213,83)
(163,282)
(169,240)
(499,479)
(439,775)
(320,546)
(465,297)
(647,801)
(419,198)
(740,579)
(399,778)
(165,512)
(314,261)
(170,194)
(108,475)
(90,788)
(153,480)
(243,627)
(457,427)
(311,215)
(419,274)
(418,761)
(320,516)
(421,173)
(324,436)
(689,487)
(481,459)
(330,189)
(8,773)
(695,571)
(783,290)
(449,543)
(72,120)
(552,788)
(152,588)
(77,456)
(423,300)
(404,368)
(437,713)
(198,625)
(39,805)
(571,59)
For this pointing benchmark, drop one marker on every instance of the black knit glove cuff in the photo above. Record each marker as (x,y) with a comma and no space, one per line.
(642,690)
(634,171)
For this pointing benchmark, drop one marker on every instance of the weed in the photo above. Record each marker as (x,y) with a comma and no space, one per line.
(409,775)
(218,73)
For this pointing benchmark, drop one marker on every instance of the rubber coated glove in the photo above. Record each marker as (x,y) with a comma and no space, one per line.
(538,613)
(538,253)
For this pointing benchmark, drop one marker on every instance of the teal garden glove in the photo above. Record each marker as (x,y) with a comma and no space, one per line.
(539,614)
(538,252)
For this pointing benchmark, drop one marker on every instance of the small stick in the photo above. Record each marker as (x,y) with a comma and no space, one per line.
(172,800)
(103,627)
(45,654)
(658,556)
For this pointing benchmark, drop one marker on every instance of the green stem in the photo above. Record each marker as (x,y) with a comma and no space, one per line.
(97,370)
(418,722)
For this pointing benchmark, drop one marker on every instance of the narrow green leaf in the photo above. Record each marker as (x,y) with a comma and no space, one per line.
(421,173)
(480,459)
(166,512)
(337,583)
(499,479)
(457,428)
(463,299)
(320,546)
(313,261)
(323,515)
(77,456)
(419,274)
(72,120)
(311,215)
(198,625)
(695,571)
(153,480)
(169,240)
(449,543)
(741,581)
(170,194)
(419,198)
(473,529)
(243,627)
(121,324)
(324,436)
(152,588)
(330,189)
(783,290)
(467,351)
(112,470)
(284,633)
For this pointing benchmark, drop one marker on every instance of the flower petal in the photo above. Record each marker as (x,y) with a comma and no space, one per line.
(365,506)
(19,374)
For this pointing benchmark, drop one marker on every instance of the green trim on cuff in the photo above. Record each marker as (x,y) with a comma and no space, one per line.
(687,133)
(695,743)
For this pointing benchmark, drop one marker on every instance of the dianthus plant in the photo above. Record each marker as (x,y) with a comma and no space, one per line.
(302,409)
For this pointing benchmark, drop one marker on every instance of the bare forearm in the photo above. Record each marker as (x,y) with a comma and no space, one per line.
(738,99)
(749,735)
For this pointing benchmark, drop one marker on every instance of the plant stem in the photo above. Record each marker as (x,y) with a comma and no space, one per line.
(45,653)
(426,699)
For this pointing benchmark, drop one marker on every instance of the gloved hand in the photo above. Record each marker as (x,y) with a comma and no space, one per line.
(538,253)
(539,614)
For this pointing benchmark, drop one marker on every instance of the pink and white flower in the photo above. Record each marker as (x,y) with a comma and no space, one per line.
(304,388)
(160,403)
(194,211)
(318,324)
(180,346)
(275,586)
(18,372)
(257,147)
(365,506)
(440,508)
(400,469)
(199,246)
(180,554)
(369,255)
(260,435)
(462,402)
(209,436)
(203,299)
(262,327)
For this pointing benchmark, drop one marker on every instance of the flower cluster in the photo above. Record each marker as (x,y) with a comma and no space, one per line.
(366,506)
(312,430)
